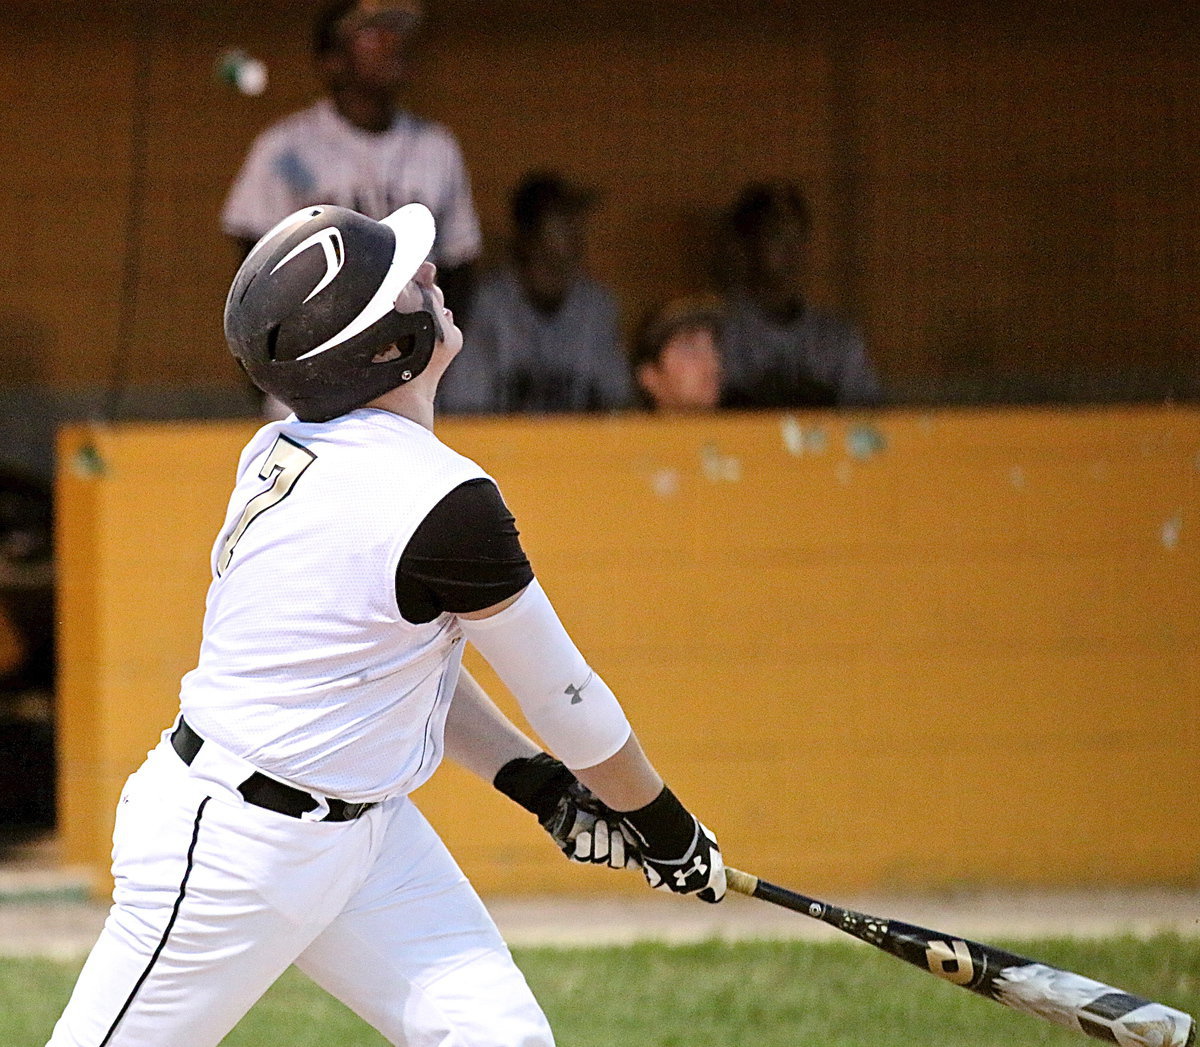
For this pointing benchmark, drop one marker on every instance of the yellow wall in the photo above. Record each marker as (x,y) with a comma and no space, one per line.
(877,650)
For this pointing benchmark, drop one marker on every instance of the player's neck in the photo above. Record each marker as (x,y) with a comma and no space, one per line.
(414,399)
(411,401)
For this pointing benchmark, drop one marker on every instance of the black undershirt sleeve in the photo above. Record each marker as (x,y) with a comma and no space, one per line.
(464,556)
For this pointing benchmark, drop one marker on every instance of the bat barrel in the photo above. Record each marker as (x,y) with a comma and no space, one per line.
(1058,996)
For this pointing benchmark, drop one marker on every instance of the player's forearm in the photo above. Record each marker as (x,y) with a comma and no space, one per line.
(478,735)
(569,706)
(626,780)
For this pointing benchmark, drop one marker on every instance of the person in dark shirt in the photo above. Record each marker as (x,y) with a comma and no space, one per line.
(542,335)
(781,351)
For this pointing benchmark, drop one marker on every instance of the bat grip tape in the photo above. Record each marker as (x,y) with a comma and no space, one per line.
(741,882)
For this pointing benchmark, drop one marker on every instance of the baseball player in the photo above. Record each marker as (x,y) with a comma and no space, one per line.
(272,824)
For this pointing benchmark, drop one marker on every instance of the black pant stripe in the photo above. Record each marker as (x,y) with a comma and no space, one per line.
(166,933)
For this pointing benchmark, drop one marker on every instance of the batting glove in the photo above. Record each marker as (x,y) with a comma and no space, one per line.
(678,853)
(584,828)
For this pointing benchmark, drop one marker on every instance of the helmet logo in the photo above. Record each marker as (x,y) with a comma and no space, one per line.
(330,242)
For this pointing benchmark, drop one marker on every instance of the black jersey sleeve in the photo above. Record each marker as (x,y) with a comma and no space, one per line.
(464,556)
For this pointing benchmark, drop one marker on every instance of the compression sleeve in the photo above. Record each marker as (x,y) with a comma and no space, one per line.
(465,555)
(572,710)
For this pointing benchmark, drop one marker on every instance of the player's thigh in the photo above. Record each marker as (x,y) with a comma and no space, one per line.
(416,954)
(126,998)
(193,938)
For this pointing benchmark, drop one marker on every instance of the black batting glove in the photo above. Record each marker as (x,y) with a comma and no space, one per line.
(584,828)
(678,853)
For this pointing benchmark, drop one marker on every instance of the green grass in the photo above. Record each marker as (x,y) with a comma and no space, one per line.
(756,994)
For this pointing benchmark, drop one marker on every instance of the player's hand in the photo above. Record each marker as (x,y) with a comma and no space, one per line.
(584,828)
(678,853)
(588,830)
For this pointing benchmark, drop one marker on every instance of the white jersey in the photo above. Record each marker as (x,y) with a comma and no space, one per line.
(307,669)
(316,156)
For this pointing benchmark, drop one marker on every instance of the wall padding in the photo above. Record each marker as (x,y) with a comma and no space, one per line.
(875,650)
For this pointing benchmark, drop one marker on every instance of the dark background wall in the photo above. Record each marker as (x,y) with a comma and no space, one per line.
(1006,194)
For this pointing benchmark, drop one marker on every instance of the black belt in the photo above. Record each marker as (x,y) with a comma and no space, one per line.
(266,792)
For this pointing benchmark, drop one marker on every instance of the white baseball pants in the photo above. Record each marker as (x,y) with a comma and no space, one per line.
(215,898)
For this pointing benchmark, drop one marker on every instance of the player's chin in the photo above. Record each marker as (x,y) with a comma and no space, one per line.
(452,341)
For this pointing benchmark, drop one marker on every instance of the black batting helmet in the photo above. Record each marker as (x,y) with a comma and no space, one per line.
(311,316)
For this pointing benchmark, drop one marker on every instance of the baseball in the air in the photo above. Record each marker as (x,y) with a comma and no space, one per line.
(241,70)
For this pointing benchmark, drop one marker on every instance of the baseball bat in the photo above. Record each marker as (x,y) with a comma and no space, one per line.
(1059,996)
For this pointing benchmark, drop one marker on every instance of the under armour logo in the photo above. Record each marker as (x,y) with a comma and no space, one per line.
(681,875)
(576,693)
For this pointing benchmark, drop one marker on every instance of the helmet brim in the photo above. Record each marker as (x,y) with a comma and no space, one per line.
(414,229)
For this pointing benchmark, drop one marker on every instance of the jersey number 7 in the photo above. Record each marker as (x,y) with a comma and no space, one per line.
(283,466)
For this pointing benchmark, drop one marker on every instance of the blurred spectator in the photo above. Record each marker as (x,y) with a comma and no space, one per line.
(542,335)
(27,653)
(778,350)
(357,148)
(676,356)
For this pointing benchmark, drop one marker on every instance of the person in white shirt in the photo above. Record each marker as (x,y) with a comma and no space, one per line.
(272,824)
(357,147)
